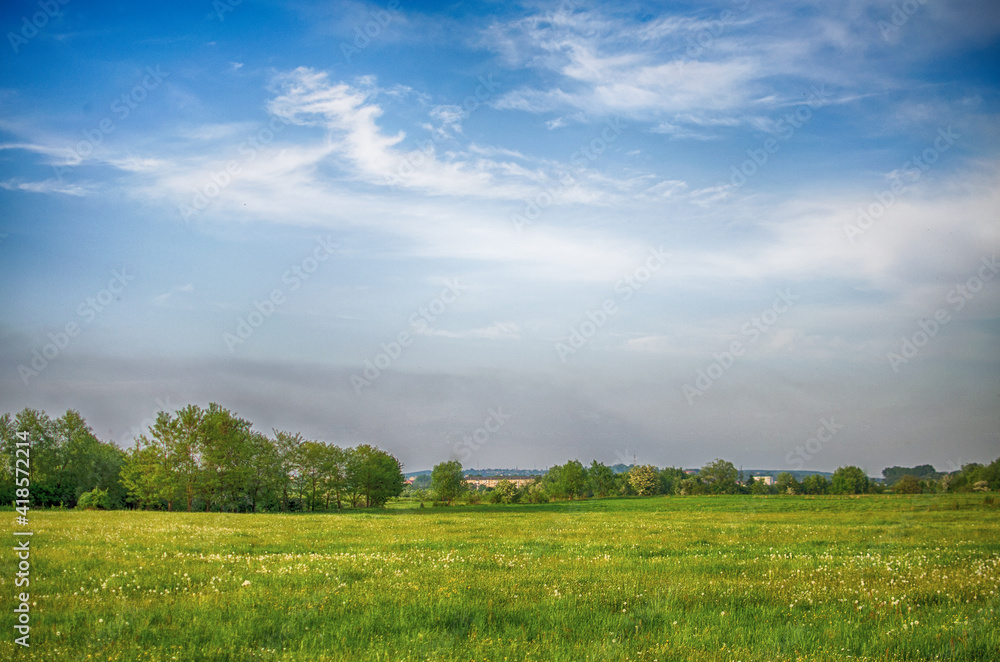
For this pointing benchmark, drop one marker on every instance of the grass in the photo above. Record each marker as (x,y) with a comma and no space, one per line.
(679,578)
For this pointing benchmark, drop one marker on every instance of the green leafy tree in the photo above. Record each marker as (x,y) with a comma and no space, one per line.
(335,474)
(602,479)
(907,484)
(287,444)
(227,458)
(47,456)
(719,476)
(144,474)
(692,485)
(849,480)
(536,493)
(815,484)
(376,475)
(506,491)
(645,480)
(892,475)
(448,481)
(313,469)
(670,480)
(573,480)
(67,459)
(785,483)
(266,477)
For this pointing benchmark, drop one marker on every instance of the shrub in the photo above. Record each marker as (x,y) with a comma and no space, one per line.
(908,484)
(96,499)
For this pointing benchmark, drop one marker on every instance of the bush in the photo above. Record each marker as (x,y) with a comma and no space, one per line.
(537,494)
(908,484)
(96,499)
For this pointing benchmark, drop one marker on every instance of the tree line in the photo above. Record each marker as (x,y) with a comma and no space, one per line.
(573,480)
(210,459)
(194,459)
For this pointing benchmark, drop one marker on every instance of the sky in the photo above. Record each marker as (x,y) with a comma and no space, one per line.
(511,234)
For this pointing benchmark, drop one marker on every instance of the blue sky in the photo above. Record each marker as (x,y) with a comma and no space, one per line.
(512,234)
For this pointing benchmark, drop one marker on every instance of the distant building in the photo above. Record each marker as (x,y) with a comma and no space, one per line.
(492,481)
(767,480)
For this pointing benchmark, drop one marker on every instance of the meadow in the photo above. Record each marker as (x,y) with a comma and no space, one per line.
(662,578)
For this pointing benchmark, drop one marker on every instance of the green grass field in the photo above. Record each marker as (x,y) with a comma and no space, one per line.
(678,578)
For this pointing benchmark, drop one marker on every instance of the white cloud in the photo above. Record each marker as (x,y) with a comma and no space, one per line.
(46,186)
(497,331)
(165,298)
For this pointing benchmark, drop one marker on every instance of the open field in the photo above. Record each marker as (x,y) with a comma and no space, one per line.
(698,578)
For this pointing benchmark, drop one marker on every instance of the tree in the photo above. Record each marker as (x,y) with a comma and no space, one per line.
(572,480)
(892,475)
(335,473)
(815,484)
(645,480)
(602,479)
(312,457)
(849,480)
(227,458)
(67,459)
(506,492)
(287,445)
(907,484)
(536,493)
(670,480)
(267,476)
(691,485)
(720,476)
(448,481)
(375,475)
(785,483)
(144,474)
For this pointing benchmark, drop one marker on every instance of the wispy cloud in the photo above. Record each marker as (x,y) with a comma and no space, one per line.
(497,331)
(45,186)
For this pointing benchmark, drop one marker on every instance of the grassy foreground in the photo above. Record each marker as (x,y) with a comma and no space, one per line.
(693,578)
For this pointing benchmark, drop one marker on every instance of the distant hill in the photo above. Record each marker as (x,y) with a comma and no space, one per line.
(622,468)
